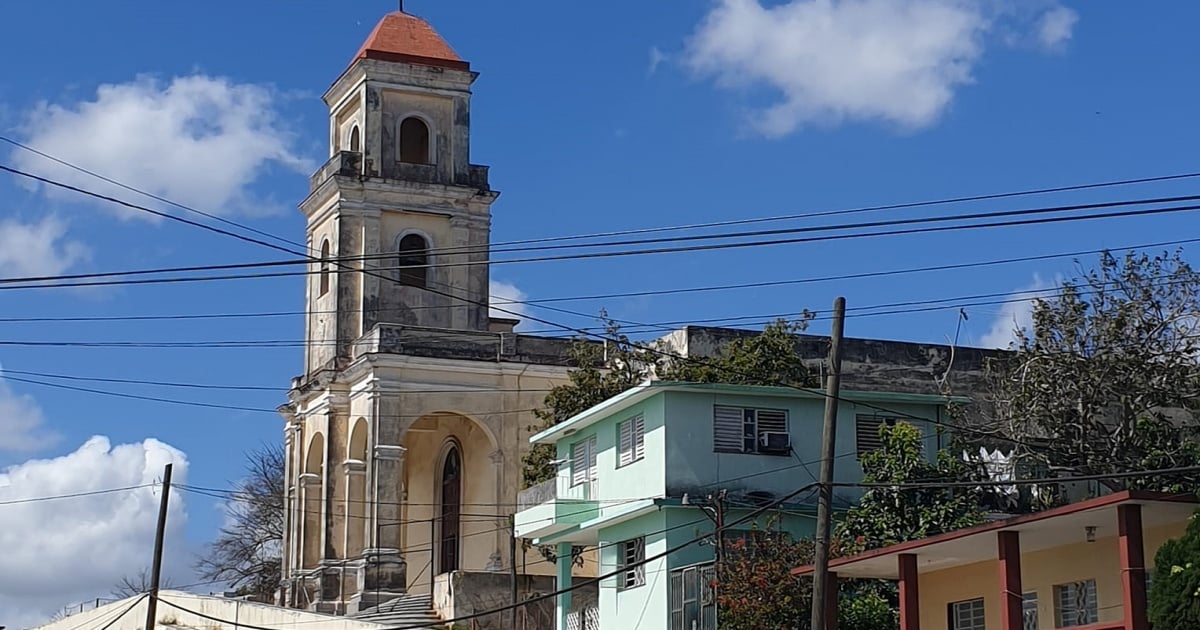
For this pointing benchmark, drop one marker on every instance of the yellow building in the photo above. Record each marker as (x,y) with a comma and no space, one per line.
(1080,566)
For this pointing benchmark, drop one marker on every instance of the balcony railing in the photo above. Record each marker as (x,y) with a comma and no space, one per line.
(557,489)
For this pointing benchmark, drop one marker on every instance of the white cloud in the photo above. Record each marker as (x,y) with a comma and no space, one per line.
(197,140)
(1055,27)
(895,61)
(68,550)
(1017,316)
(21,421)
(37,249)
(508,297)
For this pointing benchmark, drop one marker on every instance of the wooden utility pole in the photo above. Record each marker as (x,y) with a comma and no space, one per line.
(512,567)
(156,567)
(833,385)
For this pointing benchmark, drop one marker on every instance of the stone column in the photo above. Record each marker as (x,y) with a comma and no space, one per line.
(496,560)
(385,573)
(456,279)
(310,525)
(356,507)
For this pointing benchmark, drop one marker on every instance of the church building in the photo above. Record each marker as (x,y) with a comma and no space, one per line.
(405,432)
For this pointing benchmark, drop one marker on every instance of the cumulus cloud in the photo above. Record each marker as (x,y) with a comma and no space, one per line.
(506,296)
(895,61)
(73,549)
(197,140)
(1017,315)
(1055,27)
(37,249)
(21,422)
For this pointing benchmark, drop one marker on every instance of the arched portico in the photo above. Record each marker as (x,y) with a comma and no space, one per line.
(451,493)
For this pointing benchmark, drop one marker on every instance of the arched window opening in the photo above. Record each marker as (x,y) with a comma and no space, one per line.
(414,141)
(355,143)
(451,503)
(324,267)
(413,260)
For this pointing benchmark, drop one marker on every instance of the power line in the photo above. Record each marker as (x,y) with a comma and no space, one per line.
(806,215)
(60,281)
(74,495)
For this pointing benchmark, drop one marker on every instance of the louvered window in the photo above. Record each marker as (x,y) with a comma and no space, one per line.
(631,436)
(583,461)
(1075,604)
(866,433)
(746,430)
(633,571)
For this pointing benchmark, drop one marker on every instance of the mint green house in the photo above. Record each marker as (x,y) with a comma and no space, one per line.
(638,473)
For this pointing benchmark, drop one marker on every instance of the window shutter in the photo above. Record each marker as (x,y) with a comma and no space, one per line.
(772,420)
(579,468)
(625,439)
(866,434)
(639,437)
(727,429)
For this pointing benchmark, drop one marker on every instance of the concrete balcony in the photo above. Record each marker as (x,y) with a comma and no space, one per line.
(555,505)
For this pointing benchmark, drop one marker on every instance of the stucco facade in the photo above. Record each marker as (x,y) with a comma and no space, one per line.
(610,491)
(1078,566)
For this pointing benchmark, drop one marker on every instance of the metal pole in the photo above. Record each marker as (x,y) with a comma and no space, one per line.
(156,567)
(828,440)
(512,564)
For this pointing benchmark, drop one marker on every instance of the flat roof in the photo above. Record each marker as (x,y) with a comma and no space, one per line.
(645,390)
(1045,530)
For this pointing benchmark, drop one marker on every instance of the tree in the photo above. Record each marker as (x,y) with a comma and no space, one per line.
(756,590)
(603,370)
(894,514)
(137,584)
(1106,379)
(247,552)
(1175,598)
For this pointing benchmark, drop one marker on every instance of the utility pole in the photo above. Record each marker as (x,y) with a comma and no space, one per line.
(833,385)
(512,567)
(156,567)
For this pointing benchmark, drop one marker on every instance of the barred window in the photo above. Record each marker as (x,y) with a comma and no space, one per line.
(633,570)
(967,615)
(1075,604)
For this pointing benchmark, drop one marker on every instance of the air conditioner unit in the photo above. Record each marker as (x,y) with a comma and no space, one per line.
(775,441)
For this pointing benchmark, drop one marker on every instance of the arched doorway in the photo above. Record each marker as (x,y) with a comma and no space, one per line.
(449,509)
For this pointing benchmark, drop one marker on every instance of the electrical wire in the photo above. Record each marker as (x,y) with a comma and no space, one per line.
(75,495)
(726,223)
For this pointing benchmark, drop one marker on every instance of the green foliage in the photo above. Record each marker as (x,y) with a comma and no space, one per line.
(603,370)
(1106,380)
(890,515)
(769,358)
(867,605)
(1175,596)
(755,587)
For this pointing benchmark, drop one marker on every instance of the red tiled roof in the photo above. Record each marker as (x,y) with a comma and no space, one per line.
(407,38)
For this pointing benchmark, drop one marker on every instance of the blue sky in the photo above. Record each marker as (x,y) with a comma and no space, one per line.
(594,117)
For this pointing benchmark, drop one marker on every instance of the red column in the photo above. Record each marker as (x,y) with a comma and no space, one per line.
(831,603)
(910,602)
(1133,566)
(1009,553)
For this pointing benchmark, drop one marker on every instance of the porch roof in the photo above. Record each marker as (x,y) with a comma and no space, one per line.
(1044,530)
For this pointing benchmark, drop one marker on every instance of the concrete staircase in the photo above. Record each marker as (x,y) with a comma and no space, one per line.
(408,610)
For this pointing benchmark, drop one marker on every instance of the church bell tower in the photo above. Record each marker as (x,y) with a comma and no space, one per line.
(398,198)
